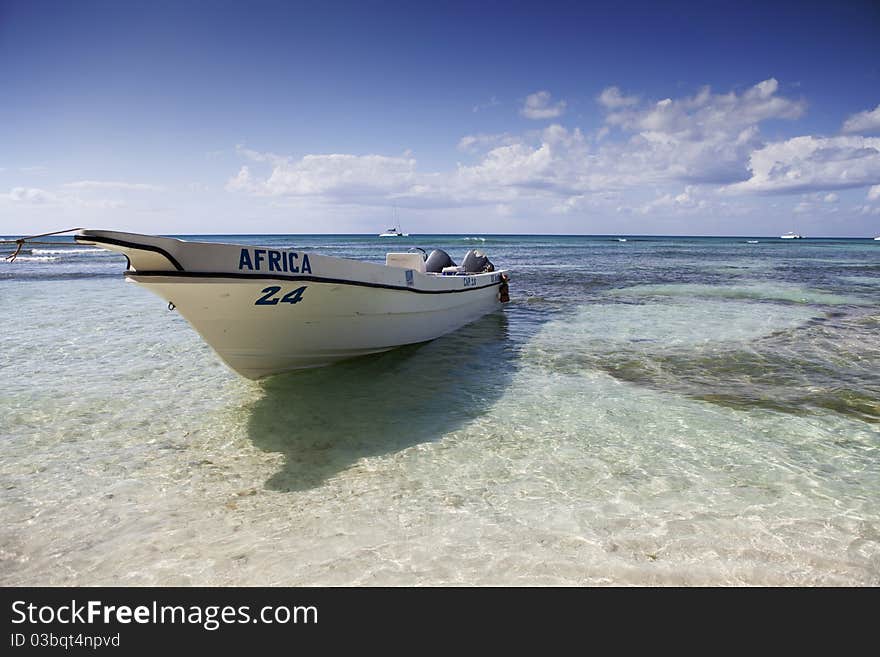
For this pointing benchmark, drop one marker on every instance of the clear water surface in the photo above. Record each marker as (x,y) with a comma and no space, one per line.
(656,411)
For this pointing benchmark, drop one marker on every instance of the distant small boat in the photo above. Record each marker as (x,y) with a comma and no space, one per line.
(751,241)
(621,239)
(877,238)
(791,236)
(395,231)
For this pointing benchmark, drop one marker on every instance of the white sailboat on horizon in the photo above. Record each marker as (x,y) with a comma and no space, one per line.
(395,230)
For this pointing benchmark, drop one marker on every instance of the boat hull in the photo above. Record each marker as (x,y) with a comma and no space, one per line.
(329,322)
(271,310)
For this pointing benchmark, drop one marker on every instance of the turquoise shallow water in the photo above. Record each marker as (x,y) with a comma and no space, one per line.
(656,411)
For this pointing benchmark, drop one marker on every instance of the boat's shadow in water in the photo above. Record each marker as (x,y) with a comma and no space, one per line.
(325,420)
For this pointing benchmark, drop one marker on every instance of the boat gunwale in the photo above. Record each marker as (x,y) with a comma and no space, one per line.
(134,274)
(87,239)
(182,272)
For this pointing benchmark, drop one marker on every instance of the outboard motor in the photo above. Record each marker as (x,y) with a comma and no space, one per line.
(476,262)
(438,259)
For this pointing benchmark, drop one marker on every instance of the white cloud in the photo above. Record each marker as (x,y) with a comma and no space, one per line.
(686,201)
(468,142)
(41,197)
(568,205)
(813,163)
(611,98)
(113,184)
(471,143)
(694,140)
(506,166)
(337,176)
(685,148)
(874,193)
(340,174)
(242,182)
(705,138)
(818,204)
(493,102)
(257,156)
(863,122)
(98,204)
(707,114)
(537,106)
(31,195)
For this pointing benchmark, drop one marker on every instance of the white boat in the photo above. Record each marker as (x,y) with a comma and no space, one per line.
(393,232)
(270,310)
(791,236)
(877,238)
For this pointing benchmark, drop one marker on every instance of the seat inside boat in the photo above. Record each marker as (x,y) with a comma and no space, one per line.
(414,261)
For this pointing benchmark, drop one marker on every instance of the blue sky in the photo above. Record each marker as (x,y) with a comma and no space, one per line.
(575,117)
